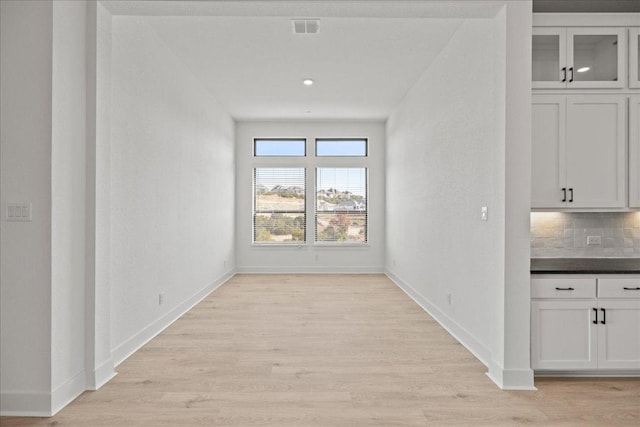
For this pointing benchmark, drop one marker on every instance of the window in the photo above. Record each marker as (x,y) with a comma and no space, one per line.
(279,214)
(341,147)
(341,205)
(334,176)
(279,147)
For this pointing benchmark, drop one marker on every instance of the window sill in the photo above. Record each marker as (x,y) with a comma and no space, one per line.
(327,246)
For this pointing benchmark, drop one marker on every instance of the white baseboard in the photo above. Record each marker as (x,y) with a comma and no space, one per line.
(622,373)
(311,270)
(68,391)
(482,353)
(25,404)
(514,379)
(133,344)
(101,375)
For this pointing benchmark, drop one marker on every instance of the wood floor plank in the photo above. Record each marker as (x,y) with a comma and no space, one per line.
(325,350)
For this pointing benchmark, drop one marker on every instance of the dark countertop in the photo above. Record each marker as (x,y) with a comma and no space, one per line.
(585,265)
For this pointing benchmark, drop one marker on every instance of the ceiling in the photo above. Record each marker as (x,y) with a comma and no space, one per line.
(366,57)
(362,68)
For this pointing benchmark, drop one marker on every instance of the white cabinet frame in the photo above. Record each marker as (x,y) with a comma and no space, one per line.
(575,321)
(622,51)
(634,79)
(579,156)
(566,72)
(634,151)
(619,321)
(562,57)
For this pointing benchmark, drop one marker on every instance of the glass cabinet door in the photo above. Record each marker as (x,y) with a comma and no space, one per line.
(548,68)
(634,57)
(596,57)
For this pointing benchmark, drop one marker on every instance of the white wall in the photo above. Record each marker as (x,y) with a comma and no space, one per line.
(99,363)
(446,157)
(68,201)
(512,368)
(309,258)
(25,269)
(172,187)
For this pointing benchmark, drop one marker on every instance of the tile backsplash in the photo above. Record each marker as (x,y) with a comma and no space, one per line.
(565,234)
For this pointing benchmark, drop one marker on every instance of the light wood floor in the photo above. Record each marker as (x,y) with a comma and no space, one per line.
(325,350)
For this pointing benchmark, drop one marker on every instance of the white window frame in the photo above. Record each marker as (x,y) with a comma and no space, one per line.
(311,162)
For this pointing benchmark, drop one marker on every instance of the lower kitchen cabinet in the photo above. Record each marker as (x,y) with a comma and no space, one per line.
(563,336)
(585,324)
(619,334)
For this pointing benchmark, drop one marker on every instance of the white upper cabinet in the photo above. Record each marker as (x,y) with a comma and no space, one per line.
(634,151)
(634,57)
(596,151)
(548,155)
(579,152)
(578,57)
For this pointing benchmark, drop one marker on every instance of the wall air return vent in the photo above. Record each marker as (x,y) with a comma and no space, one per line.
(306,26)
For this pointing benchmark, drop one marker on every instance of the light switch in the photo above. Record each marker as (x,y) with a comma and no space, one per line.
(18,212)
(484,212)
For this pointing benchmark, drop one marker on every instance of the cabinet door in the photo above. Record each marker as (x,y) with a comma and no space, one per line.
(634,151)
(548,151)
(634,57)
(563,335)
(596,57)
(548,68)
(619,334)
(596,151)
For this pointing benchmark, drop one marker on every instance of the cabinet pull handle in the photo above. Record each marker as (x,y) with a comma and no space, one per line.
(564,289)
(604,316)
(571,196)
(564,74)
(564,194)
(595,321)
(631,289)
(571,71)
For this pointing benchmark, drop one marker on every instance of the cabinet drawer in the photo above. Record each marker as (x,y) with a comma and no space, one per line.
(619,287)
(563,288)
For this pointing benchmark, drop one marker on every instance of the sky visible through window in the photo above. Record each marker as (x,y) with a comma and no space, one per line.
(280,147)
(341,147)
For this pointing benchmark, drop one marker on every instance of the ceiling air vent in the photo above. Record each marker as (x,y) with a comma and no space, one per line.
(306,26)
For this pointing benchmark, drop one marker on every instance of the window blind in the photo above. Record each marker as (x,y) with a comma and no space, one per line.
(341,205)
(279,205)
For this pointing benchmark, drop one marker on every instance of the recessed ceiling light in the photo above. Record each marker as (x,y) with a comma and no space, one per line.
(583,69)
(307,82)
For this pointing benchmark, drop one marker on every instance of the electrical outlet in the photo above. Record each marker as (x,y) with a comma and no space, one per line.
(18,212)
(449,299)
(161,298)
(484,213)
(594,240)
